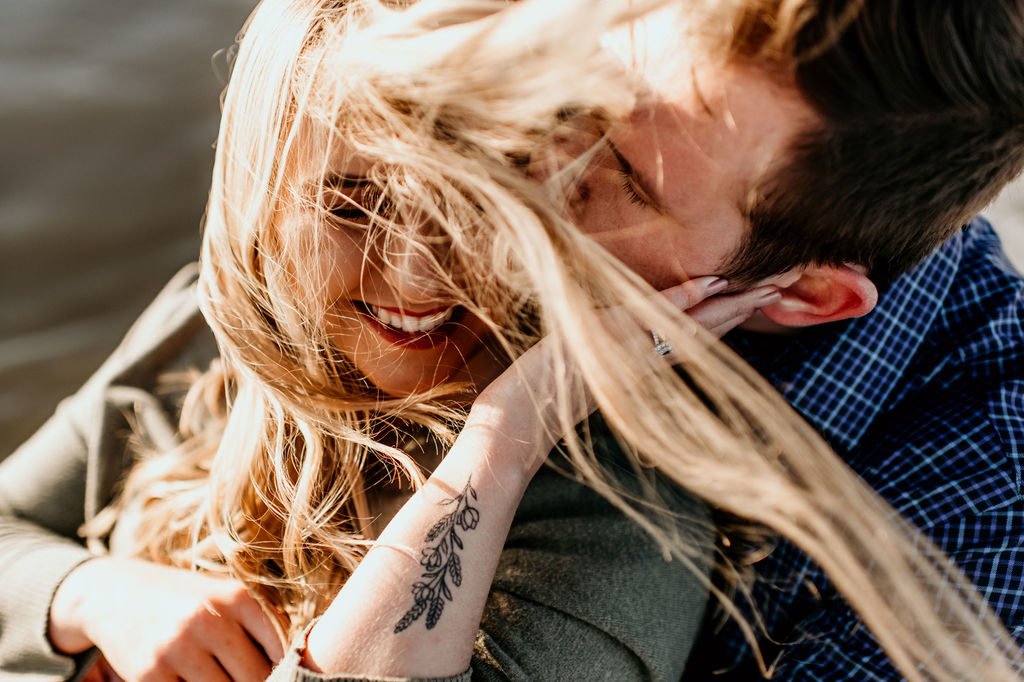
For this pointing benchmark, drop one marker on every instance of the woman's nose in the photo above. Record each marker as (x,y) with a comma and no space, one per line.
(411,268)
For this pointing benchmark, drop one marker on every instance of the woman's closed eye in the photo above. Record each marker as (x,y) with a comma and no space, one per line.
(355,201)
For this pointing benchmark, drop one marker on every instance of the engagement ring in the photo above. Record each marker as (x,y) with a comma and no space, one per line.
(661,346)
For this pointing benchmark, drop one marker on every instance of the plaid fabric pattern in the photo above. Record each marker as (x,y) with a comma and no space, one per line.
(924,398)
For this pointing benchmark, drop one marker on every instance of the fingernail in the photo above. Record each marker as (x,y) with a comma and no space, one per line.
(713,285)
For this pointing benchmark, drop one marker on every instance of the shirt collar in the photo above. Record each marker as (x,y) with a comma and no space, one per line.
(841,376)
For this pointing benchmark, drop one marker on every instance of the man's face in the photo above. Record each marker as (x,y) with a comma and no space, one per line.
(670,197)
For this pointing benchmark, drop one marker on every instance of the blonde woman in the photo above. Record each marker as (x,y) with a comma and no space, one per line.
(351,349)
(378,248)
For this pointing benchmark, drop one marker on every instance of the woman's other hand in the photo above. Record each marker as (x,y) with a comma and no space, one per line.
(154,622)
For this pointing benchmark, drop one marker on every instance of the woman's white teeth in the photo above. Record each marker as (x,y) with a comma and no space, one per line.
(410,323)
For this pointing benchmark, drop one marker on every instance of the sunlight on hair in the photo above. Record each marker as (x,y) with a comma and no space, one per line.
(441,106)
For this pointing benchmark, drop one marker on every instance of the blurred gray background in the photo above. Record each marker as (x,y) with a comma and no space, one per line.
(108,113)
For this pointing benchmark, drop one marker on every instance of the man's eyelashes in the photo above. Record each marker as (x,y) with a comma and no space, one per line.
(634,196)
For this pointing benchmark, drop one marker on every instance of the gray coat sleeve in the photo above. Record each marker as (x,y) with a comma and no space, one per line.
(581,593)
(66,473)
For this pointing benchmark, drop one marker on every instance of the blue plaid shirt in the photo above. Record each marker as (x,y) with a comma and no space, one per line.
(924,399)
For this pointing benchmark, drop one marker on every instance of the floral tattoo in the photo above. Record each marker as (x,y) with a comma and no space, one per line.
(440,561)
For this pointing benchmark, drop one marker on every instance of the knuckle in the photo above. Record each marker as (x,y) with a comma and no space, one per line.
(239,595)
(198,623)
(237,602)
(740,308)
(162,662)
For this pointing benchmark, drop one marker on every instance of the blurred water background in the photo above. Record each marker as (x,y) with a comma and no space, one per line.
(108,113)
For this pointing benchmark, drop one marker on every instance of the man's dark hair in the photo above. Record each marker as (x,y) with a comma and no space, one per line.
(922,103)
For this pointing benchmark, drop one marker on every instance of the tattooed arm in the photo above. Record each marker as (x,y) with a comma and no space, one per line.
(413,607)
(581,592)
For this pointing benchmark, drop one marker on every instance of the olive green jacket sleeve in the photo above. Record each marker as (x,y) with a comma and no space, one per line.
(66,472)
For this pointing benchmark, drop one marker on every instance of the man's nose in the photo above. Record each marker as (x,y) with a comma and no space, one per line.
(411,268)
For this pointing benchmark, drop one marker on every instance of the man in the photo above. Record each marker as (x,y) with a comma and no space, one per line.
(839,151)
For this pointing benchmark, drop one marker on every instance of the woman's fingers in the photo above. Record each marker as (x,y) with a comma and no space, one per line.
(720,314)
(726,327)
(159,623)
(259,627)
(239,635)
(717,314)
(691,292)
(239,655)
(198,665)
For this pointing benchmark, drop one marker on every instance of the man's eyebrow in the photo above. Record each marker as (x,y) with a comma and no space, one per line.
(645,187)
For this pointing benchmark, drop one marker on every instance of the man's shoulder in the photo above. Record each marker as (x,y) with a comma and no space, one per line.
(945,437)
(950,443)
(987,292)
(974,341)
(947,453)
(924,399)
(983,245)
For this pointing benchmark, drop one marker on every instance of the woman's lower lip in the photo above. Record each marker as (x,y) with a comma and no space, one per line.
(412,340)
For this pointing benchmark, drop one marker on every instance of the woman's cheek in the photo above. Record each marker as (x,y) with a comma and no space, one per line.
(342,262)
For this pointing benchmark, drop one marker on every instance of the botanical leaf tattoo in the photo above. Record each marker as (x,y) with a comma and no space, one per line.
(440,563)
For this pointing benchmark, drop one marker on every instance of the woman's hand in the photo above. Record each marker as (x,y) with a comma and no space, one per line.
(719,314)
(153,622)
(518,404)
(375,625)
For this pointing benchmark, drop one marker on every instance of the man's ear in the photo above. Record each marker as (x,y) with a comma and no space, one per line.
(824,293)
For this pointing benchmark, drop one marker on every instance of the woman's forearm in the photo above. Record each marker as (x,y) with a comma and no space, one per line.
(413,606)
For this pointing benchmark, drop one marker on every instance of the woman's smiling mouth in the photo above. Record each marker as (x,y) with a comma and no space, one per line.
(413,330)
(410,322)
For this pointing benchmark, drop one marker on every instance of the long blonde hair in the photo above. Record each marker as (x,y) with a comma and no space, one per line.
(446,102)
